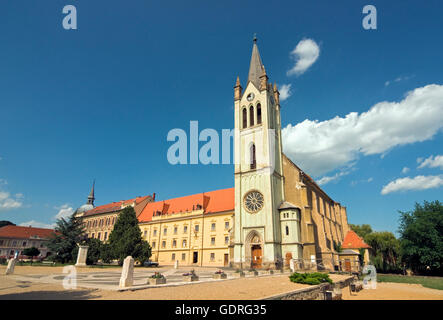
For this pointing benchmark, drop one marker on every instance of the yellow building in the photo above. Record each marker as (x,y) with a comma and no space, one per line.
(195,230)
(98,222)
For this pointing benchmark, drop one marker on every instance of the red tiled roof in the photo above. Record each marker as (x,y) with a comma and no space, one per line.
(353,241)
(24,232)
(114,206)
(213,201)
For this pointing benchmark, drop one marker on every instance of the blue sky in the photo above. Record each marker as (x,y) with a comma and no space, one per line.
(99,101)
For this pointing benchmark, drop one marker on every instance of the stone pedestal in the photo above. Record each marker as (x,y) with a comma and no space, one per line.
(239,274)
(176,264)
(126,279)
(220,276)
(156,281)
(11,266)
(190,278)
(81,256)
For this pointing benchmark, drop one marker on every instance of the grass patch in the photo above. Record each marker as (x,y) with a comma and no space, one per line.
(312,278)
(428,282)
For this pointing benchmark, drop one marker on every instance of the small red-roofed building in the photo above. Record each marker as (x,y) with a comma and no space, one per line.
(349,256)
(18,238)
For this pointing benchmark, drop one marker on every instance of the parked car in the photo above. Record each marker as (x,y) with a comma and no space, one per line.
(150,263)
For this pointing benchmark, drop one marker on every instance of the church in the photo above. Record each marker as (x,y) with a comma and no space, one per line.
(275,212)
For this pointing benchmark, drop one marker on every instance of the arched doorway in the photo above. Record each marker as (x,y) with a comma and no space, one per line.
(254,249)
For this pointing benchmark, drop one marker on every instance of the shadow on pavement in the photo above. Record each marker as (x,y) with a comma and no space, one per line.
(51,295)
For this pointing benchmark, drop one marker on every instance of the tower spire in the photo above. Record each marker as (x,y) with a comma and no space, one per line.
(91,197)
(256,66)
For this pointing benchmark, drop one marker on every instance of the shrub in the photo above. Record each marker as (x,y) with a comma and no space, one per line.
(310,278)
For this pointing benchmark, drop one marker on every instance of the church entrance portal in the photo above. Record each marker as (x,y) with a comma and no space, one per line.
(256,255)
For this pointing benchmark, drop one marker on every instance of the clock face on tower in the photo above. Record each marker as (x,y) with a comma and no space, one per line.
(253,201)
(250,96)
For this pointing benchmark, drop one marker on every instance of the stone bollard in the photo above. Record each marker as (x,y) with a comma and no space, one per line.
(176,264)
(11,266)
(81,256)
(292,265)
(126,279)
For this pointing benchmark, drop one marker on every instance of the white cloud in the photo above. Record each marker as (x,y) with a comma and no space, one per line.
(305,54)
(326,179)
(37,224)
(398,79)
(285,91)
(405,170)
(431,162)
(64,211)
(322,146)
(416,183)
(353,183)
(7,202)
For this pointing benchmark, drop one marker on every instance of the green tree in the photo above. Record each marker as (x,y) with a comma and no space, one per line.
(385,251)
(361,230)
(106,253)
(94,250)
(126,238)
(68,233)
(31,252)
(4,223)
(421,236)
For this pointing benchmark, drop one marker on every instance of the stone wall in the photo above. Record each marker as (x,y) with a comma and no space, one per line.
(316,292)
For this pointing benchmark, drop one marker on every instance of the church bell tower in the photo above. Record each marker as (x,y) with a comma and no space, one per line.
(259,182)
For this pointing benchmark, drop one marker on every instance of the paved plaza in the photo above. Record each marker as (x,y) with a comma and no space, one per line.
(108,279)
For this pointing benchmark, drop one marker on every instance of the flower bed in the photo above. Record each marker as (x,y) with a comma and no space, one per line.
(239,274)
(219,274)
(252,272)
(190,276)
(157,278)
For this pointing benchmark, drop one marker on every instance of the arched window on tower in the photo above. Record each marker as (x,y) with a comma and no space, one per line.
(251,116)
(245,118)
(259,113)
(287,230)
(253,158)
